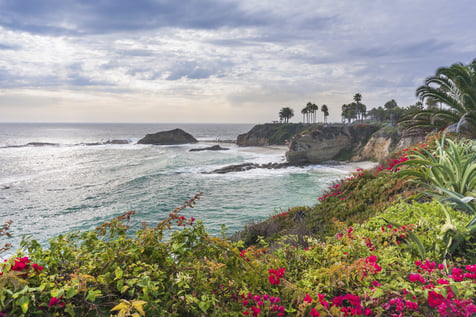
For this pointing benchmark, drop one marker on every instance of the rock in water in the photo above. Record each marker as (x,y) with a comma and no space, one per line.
(210,148)
(176,136)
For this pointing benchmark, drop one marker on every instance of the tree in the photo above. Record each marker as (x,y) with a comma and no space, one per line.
(304,112)
(325,110)
(314,109)
(360,108)
(349,112)
(393,110)
(285,114)
(454,88)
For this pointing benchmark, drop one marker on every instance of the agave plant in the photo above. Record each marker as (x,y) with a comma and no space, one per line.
(449,175)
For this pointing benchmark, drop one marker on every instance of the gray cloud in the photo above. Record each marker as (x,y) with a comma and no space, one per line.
(75,17)
(241,52)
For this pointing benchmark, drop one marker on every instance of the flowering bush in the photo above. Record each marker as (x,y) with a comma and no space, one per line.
(365,262)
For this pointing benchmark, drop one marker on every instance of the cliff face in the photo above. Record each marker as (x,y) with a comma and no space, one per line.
(319,145)
(270,134)
(338,142)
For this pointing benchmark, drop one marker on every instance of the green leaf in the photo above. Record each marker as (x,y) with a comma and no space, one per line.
(70,292)
(23,302)
(119,273)
(204,306)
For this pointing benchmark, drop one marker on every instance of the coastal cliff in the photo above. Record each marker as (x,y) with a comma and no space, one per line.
(270,134)
(330,142)
(360,142)
(311,144)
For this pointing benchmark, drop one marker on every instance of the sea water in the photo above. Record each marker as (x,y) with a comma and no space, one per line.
(60,177)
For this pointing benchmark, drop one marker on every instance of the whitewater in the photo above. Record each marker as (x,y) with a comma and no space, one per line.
(60,177)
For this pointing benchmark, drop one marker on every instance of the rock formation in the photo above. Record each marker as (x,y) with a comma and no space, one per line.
(270,134)
(319,145)
(210,148)
(176,136)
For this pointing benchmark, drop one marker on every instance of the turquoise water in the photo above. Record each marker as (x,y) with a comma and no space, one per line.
(47,189)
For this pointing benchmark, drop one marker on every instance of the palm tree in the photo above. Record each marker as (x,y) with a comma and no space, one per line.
(349,112)
(304,112)
(285,114)
(454,88)
(325,110)
(357,97)
(314,109)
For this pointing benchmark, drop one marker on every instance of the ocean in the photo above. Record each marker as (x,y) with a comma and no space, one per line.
(60,177)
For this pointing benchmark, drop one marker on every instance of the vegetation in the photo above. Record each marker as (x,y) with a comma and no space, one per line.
(309,113)
(398,240)
(355,110)
(285,114)
(373,246)
(325,111)
(450,96)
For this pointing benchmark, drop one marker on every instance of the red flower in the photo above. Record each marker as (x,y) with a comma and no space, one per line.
(55,302)
(307,298)
(37,267)
(314,313)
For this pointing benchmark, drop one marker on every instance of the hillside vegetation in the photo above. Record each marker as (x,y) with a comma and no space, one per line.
(387,242)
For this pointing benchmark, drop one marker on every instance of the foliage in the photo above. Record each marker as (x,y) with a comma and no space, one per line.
(449,174)
(4,232)
(369,249)
(285,114)
(454,88)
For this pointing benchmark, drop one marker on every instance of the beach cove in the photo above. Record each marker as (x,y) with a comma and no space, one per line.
(60,177)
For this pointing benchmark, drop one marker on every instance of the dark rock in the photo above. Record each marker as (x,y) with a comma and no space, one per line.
(210,148)
(249,166)
(117,142)
(176,136)
(42,144)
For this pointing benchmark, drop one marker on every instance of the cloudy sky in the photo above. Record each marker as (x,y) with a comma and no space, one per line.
(220,60)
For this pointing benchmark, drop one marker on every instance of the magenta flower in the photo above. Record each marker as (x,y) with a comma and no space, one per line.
(307,298)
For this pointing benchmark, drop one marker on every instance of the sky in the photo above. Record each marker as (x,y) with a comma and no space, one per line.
(224,61)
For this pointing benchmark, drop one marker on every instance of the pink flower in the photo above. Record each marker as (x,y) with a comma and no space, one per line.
(457,274)
(442,281)
(435,299)
(55,302)
(307,298)
(417,277)
(314,313)
(37,267)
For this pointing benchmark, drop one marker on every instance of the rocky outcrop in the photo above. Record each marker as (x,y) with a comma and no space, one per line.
(383,142)
(210,148)
(333,142)
(270,134)
(172,137)
(319,145)
(249,166)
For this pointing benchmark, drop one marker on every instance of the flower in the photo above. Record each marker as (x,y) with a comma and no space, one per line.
(37,267)
(314,313)
(54,302)
(307,298)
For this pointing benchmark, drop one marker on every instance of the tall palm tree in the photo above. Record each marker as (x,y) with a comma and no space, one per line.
(285,114)
(325,110)
(304,112)
(454,88)
(309,111)
(314,109)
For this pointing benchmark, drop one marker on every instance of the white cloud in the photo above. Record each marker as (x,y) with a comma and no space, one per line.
(232,62)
